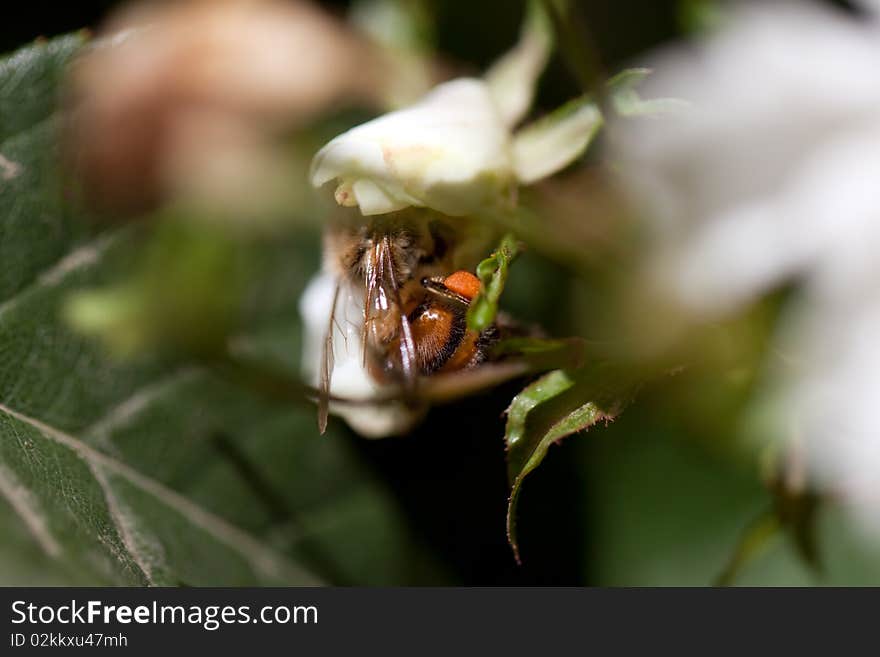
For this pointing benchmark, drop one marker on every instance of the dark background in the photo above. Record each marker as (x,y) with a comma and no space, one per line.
(471,31)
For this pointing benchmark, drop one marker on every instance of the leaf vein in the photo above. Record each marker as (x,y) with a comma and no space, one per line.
(123,527)
(23,503)
(129,408)
(80,258)
(260,558)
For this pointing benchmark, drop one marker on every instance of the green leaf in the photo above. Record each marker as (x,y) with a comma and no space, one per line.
(158,470)
(30,82)
(701,16)
(556,405)
(753,543)
(183,293)
(402,26)
(626,99)
(794,513)
(492,273)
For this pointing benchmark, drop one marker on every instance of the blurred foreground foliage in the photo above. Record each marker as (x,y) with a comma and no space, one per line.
(144,471)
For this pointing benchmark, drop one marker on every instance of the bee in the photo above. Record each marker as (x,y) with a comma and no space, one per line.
(412,311)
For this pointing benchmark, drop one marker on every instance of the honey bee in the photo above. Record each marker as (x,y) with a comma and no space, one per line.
(411,321)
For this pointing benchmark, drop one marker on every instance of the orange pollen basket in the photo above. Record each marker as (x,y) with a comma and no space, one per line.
(463,283)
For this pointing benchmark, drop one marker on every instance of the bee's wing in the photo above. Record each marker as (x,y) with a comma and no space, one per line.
(327,364)
(382,296)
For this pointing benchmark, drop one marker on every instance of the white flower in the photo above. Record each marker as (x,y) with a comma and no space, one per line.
(774,176)
(455,150)
(450,152)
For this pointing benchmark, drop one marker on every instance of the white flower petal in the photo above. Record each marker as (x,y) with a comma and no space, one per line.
(872,6)
(512,79)
(546,146)
(835,397)
(817,225)
(763,93)
(774,175)
(449,152)
(373,199)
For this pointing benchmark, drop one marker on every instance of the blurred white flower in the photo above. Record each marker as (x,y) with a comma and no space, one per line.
(871,5)
(455,150)
(774,176)
(190,96)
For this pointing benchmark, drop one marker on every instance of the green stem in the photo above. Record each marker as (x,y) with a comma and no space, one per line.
(493,276)
(576,45)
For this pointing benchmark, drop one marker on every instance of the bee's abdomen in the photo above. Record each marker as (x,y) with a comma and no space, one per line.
(437,330)
(442,341)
